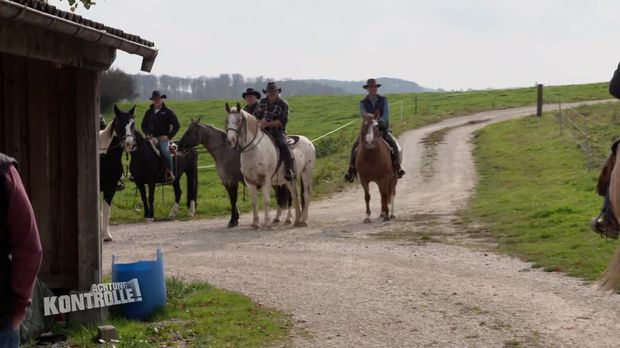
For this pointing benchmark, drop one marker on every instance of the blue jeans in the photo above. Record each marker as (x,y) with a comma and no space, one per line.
(164,148)
(9,338)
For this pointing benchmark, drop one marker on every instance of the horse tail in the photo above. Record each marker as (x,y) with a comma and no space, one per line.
(610,280)
(282,196)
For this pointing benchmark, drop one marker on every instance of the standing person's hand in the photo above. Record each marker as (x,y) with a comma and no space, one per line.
(163,138)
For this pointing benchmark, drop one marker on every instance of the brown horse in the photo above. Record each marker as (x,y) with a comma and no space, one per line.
(611,278)
(374,164)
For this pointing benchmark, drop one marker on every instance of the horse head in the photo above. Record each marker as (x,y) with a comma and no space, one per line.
(234,124)
(369,132)
(191,137)
(124,127)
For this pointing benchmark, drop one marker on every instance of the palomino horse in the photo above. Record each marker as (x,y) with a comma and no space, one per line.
(260,167)
(146,168)
(373,163)
(611,278)
(228,165)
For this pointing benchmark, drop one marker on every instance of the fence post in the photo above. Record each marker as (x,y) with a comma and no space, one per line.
(401,109)
(415,110)
(588,148)
(539,103)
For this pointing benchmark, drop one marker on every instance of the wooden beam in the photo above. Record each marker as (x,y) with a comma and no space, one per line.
(89,243)
(35,42)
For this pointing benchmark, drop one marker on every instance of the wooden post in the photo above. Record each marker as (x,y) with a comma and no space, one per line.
(415,109)
(539,102)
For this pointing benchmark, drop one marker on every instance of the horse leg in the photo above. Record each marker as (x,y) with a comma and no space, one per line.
(296,205)
(145,203)
(192,189)
(393,197)
(254,194)
(234,212)
(151,202)
(306,188)
(367,199)
(266,195)
(105,215)
(282,202)
(385,197)
(177,198)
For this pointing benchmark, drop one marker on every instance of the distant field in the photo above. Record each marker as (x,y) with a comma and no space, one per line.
(315,116)
(535,194)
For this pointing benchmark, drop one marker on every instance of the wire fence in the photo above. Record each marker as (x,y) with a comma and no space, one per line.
(578,126)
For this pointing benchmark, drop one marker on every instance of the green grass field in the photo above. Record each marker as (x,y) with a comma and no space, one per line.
(314,116)
(197,315)
(536,195)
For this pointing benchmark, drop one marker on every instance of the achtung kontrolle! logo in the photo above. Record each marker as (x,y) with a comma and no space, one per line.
(100,295)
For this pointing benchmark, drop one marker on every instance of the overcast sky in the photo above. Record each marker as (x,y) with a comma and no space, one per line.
(440,43)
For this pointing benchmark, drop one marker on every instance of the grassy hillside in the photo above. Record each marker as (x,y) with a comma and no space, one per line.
(536,195)
(314,116)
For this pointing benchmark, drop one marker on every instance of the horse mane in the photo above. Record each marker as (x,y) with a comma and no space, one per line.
(220,132)
(106,136)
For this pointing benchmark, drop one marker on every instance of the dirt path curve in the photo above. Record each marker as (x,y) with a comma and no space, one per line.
(348,288)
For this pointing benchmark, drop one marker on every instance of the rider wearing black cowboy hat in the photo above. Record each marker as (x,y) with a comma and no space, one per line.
(379,104)
(273,111)
(161,122)
(251,97)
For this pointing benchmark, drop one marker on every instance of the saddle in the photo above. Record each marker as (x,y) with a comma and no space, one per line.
(155,146)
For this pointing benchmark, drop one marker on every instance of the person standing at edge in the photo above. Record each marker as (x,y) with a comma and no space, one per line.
(20,252)
(161,122)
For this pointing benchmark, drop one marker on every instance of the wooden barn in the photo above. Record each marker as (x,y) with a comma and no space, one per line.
(50,66)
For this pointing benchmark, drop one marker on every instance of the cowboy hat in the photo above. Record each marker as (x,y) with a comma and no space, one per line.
(157,94)
(250,91)
(272,86)
(371,83)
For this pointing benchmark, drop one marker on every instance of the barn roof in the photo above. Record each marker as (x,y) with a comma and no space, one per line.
(38,13)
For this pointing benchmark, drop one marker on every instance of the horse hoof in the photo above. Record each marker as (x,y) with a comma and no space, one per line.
(288,222)
(232,224)
(386,219)
(392,217)
(276,221)
(149,220)
(301,224)
(267,227)
(255,226)
(367,220)
(106,240)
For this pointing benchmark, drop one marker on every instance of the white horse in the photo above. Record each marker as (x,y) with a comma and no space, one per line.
(259,164)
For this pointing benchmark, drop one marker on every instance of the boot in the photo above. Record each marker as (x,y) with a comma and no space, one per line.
(398,170)
(350,175)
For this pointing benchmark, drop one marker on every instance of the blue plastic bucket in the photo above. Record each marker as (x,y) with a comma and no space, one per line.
(152,283)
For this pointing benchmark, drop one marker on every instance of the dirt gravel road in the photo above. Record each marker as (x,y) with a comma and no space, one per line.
(347,287)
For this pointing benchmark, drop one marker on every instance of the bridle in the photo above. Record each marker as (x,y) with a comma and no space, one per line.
(243,124)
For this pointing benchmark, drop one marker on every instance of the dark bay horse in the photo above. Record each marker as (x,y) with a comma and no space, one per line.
(374,164)
(228,166)
(146,169)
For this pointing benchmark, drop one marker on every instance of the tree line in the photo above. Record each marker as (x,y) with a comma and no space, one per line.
(224,86)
